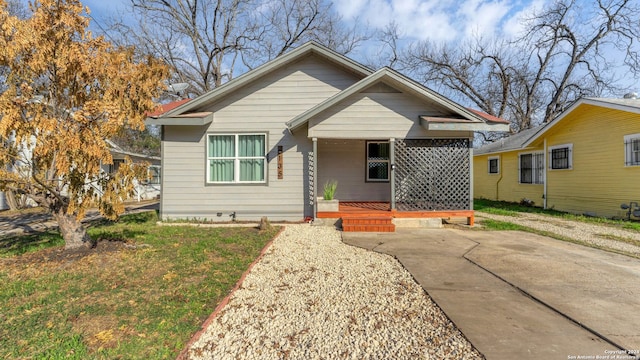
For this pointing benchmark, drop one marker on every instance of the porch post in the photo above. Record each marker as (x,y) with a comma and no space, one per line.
(315,178)
(471,174)
(392,175)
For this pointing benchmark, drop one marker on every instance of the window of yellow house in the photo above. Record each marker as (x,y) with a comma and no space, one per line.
(531,168)
(494,165)
(632,150)
(560,157)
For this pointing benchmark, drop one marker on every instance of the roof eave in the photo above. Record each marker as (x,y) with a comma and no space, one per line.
(200,120)
(501,151)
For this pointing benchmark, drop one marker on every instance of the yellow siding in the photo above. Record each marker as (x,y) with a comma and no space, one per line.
(505,185)
(599,180)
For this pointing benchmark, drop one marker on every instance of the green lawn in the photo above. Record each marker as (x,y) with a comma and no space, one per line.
(512,209)
(141,294)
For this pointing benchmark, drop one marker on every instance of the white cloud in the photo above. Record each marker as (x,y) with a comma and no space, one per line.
(440,20)
(513,26)
(350,8)
(419,19)
(482,17)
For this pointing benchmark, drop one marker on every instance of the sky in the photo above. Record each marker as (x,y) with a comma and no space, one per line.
(440,20)
(437,20)
(449,21)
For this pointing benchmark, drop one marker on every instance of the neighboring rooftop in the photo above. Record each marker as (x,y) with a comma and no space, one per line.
(511,142)
(167,107)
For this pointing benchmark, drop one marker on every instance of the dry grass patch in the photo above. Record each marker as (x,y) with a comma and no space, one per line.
(121,300)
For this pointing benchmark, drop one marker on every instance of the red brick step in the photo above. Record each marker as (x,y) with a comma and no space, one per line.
(367,224)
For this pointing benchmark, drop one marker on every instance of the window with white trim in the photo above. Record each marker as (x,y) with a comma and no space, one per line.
(236,158)
(494,165)
(377,161)
(632,150)
(153,175)
(531,168)
(561,157)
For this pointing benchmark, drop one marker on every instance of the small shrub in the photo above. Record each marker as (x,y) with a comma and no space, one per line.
(330,189)
(527,202)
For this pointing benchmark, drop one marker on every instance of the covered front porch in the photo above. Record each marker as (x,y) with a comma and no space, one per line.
(393,182)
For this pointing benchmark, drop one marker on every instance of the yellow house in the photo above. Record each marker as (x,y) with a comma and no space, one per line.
(585,161)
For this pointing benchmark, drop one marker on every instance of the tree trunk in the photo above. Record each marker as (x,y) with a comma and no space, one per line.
(73,232)
(11,199)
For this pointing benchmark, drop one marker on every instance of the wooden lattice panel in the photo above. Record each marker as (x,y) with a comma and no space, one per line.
(432,174)
(312,175)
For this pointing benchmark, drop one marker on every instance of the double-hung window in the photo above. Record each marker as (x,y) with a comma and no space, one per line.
(532,168)
(153,174)
(377,161)
(632,150)
(236,158)
(560,157)
(494,165)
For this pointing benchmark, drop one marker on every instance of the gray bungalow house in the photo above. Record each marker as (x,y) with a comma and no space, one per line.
(265,143)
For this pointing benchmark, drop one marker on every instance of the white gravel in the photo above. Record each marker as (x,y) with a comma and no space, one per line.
(313,297)
(585,232)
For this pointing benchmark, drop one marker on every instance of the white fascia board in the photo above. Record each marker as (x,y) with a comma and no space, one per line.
(181,120)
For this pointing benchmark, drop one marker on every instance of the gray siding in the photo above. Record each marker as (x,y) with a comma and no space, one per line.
(345,161)
(376,116)
(3,202)
(263,106)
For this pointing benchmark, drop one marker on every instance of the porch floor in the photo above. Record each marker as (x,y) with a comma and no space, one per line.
(380,208)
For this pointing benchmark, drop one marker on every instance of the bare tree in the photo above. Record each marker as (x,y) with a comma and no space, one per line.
(388,53)
(479,71)
(563,54)
(205,41)
(287,23)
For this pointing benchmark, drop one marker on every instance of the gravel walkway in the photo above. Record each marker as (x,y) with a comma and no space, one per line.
(313,297)
(585,232)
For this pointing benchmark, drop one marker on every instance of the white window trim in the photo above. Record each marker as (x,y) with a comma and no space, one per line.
(551,148)
(520,167)
(159,172)
(388,161)
(627,156)
(489,165)
(236,158)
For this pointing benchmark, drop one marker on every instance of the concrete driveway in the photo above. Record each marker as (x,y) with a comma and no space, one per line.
(517,295)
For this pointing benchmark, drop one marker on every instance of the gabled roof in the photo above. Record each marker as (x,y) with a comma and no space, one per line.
(629,105)
(512,142)
(176,115)
(463,116)
(116,149)
(525,138)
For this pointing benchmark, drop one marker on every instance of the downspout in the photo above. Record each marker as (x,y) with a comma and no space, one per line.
(498,186)
(544,185)
(392,177)
(315,178)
